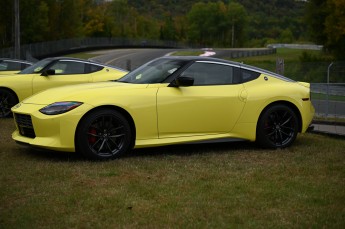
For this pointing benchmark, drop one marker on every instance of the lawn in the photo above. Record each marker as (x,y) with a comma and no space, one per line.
(186,186)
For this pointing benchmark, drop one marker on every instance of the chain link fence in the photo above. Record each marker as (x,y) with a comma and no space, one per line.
(327,92)
(327,81)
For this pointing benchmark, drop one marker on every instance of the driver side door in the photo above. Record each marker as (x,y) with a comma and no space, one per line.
(212,105)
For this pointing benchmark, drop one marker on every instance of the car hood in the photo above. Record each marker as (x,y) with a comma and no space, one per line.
(81,92)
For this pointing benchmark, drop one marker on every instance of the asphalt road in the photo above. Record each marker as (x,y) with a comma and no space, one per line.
(130,58)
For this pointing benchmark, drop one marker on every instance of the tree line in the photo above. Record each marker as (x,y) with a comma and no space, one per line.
(226,23)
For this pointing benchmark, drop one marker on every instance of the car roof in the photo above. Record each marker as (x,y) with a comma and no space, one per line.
(15,60)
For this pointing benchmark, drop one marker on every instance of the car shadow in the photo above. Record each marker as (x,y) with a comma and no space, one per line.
(194,149)
(171,150)
(51,155)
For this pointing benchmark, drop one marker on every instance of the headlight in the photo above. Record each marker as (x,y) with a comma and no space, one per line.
(59,107)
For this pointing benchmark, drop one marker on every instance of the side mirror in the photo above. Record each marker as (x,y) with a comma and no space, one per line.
(48,72)
(182,81)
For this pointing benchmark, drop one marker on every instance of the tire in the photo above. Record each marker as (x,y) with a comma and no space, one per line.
(103,134)
(7,101)
(277,127)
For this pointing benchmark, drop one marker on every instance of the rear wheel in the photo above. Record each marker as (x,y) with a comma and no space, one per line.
(7,100)
(103,134)
(277,127)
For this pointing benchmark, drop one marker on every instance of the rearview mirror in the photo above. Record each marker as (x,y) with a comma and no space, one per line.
(48,72)
(182,81)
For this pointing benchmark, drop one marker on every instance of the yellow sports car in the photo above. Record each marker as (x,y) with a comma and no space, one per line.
(169,100)
(12,66)
(48,73)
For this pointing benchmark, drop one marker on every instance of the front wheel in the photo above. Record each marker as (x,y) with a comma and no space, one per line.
(7,101)
(277,127)
(103,134)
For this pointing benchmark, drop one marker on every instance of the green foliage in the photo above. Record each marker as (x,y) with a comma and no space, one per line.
(6,17)
(35,22)
(326,21)
(217,24)
(168,30)
(269,18)
(225,23)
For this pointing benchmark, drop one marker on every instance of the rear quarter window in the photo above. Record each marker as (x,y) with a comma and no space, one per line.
(95,68)
(248,75)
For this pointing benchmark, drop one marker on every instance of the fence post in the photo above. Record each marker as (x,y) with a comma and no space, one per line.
(128,65)
(328,70)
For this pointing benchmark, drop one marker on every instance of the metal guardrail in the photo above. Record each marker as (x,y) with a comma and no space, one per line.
(329,99)
(329,102)
(43,49)
(296,46)
(60,47)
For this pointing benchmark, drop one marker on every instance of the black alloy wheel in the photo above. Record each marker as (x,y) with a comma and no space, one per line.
(277,127)
(103,134)
(7,101)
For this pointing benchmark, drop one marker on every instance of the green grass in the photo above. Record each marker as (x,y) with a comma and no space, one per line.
(289,55)
(187,53)
(185,186)
(323,96)
(268,62)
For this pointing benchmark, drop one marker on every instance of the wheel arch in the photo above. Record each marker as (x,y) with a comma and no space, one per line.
(115,108)
(11,91)
(286,103)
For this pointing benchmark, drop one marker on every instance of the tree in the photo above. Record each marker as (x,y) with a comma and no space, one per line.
(238,20)
(215,23)
(335,28)
(70,20)
(316,13)
(34,23)
(168,30)
(6,23)
(286,36)
(326,22)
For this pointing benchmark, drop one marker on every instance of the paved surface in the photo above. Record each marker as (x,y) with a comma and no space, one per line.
(338,130)
(130,58)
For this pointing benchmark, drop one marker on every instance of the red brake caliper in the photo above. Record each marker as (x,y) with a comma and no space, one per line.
(92,139)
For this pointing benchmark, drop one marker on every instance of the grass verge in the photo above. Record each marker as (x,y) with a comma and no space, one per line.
(187,53)
(184,186)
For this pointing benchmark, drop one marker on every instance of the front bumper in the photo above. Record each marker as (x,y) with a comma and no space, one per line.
(55,132)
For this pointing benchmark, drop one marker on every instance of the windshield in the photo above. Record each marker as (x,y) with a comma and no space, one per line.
(153,72)
(36,68)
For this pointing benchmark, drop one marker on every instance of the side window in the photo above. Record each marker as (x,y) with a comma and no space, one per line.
(249,75)
(3,66)
(12,66)
(68,67)
(210,74)
(23,66)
